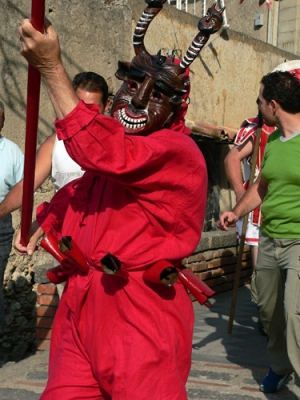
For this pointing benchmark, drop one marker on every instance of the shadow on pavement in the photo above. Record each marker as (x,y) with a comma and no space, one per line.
(244,347)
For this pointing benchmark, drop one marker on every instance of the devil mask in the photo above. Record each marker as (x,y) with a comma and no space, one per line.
(156,87)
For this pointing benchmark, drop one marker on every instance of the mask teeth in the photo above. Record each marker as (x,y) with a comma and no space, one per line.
(131,123)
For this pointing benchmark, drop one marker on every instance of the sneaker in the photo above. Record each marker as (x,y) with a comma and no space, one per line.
(272,382)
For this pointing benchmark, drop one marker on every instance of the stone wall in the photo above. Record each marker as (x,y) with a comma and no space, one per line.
(215,260)
(94,35)
(18,336)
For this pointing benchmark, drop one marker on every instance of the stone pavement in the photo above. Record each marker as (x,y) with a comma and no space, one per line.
(225,366)
(230,366)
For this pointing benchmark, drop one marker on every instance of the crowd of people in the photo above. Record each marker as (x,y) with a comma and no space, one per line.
(126,186)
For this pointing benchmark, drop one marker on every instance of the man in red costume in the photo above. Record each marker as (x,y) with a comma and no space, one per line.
(142,199)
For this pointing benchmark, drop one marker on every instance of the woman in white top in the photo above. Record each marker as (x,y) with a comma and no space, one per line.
(52,157)
(92,89)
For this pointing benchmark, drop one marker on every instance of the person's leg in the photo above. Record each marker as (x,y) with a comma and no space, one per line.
(5,248)
(70,376)
(253,289)
(291,263)
(115,339)
(144,335)
(251,239)
(254,253)
(161,342)
(270,282)
(3,261)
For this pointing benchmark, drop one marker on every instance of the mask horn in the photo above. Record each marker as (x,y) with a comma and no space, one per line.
(207,25)
(150,12)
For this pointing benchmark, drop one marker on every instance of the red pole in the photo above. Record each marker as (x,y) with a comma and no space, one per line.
(32,116)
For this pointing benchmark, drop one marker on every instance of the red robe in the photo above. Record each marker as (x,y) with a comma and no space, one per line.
(142,199)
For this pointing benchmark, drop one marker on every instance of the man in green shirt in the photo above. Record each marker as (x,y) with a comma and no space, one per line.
(278,190)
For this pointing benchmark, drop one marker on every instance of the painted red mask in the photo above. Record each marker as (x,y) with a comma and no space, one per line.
(152,91)
(156,87)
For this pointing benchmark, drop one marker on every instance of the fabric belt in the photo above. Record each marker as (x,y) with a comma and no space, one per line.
(71,259)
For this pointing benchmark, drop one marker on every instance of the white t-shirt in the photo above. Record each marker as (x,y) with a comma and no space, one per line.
(11,165)
(64,169)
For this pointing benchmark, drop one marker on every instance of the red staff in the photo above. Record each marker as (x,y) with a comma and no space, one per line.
(32,114)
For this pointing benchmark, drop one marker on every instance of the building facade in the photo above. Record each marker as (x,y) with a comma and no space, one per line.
(277,25)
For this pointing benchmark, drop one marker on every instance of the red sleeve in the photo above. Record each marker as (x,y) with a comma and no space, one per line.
(99,144)
(50,216)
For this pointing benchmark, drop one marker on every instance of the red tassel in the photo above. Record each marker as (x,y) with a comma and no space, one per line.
(50,244)
(57,274)
(197,288)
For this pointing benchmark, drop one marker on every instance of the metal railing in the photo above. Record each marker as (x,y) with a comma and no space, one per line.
(198,7)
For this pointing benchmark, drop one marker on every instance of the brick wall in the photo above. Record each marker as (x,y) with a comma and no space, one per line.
(47,302)
(215,260)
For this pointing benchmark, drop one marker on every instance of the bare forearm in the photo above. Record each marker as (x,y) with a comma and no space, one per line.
(233,166)
(252,198)
(234,175)
(12,201)
(60,90)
